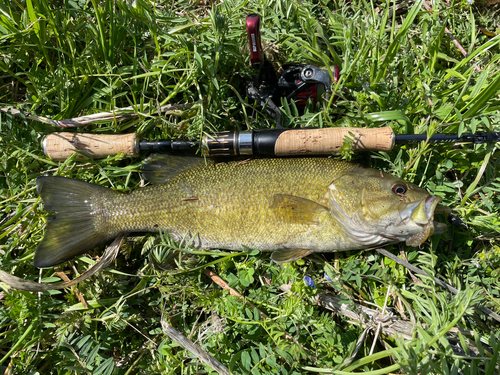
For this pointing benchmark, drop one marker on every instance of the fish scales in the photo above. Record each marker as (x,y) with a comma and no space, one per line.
(227,205)
(292,207)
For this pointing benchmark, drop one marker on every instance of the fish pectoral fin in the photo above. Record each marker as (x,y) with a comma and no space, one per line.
(296,210)
(289,255)
(160,168)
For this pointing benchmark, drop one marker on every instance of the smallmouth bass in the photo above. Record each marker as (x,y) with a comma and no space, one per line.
(292,207)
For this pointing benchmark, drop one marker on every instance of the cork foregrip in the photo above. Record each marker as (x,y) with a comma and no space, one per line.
(330,140)
(59,146)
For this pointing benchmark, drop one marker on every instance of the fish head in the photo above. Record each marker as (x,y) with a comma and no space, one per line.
(375,208)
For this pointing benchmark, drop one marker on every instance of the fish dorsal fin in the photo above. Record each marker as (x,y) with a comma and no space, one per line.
(296,210)
(289,255)
(160,168)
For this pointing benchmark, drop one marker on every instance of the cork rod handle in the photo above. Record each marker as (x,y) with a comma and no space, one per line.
(59,146)
(329,140)
(273,142)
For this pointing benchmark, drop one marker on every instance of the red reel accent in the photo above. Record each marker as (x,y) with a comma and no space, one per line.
(253,32)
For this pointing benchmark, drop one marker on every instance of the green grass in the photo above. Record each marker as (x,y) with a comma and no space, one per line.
(62,59)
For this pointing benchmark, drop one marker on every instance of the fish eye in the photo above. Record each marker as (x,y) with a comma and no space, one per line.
(399,189)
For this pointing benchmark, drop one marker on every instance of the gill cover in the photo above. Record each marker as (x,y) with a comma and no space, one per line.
(375,208)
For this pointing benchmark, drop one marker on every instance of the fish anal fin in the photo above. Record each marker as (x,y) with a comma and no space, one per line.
(289,255)
(160,168)
(296,210)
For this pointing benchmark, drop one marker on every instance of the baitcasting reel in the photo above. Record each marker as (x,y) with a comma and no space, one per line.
(298,82)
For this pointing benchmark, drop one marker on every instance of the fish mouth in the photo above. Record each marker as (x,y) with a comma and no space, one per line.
(422,213)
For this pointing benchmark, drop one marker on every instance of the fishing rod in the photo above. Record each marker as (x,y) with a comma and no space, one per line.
(261,142)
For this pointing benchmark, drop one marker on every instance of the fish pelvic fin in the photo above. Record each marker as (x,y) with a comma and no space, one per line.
(289,255)
(73,229)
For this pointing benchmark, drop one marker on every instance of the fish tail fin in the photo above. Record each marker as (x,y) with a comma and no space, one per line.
(74,229)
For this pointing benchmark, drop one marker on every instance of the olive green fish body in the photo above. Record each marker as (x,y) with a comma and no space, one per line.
(230,205)
(290,206)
